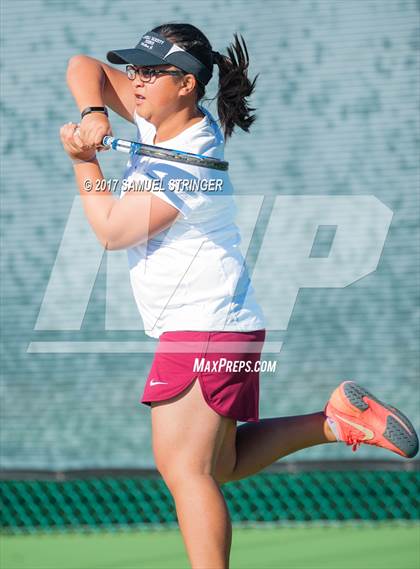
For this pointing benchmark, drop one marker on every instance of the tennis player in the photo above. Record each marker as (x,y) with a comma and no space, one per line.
(190,281)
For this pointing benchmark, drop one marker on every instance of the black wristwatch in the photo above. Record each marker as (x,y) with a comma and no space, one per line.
(94,110)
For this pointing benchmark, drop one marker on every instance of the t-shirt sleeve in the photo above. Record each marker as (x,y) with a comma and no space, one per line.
(187,187)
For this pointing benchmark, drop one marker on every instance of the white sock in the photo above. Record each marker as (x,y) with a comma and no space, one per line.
(333,427)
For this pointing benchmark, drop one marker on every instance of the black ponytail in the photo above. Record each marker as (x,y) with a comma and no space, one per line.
(234,88)
(234,84)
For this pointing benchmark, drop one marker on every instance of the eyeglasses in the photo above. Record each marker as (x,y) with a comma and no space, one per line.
(146,74)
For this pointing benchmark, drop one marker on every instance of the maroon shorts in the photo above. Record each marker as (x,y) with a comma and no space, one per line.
(224,363)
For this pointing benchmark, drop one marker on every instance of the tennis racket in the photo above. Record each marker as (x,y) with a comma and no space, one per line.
(130,147)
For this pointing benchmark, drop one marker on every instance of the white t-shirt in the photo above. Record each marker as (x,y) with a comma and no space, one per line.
(191,276)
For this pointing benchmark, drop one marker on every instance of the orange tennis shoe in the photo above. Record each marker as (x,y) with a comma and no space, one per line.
(359,417)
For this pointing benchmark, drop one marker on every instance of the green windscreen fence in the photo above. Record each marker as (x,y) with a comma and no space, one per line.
(143,500)
(327,191)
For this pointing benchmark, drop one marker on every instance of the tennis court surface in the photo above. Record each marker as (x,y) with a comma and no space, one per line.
(379,546)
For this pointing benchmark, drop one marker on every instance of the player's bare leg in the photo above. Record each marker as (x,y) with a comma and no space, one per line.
(253,446)
(187,435)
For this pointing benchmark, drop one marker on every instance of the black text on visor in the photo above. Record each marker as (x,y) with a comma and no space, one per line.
(154,49)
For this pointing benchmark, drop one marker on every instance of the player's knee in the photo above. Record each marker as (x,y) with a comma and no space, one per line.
(163,465)
(179,472)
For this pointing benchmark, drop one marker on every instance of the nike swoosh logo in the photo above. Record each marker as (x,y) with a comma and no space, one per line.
(368,433)
(153,382)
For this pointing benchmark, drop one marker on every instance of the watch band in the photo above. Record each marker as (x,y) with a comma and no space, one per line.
(88,110)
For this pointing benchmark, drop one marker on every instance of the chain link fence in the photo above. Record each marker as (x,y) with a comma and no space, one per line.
(112,502)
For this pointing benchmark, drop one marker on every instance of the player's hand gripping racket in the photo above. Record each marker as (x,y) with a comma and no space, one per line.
(131,147)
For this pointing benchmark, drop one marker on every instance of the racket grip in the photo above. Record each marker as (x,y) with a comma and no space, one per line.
(119,144)
(107,140)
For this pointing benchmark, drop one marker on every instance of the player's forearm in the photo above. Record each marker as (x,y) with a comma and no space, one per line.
(97,198)
(86,78)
